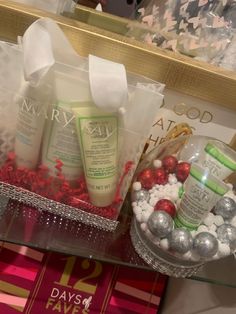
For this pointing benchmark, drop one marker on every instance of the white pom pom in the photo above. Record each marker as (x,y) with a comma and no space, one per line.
(233,221)
(193,233)
(144,226)
(213,233)
(144,205)
(146,208)
(202,228)
(156,241)
(209,220)
(218,220)
(230,186)
(230,194)
(139,217)
(145,216)
(164,244)
(137,210)
(160,194)
(194,257)
(223,249)
(152,192)
(150,208)
(149,235)
(172,179)
(167,187)
(174,197)
(137,186)
(153,201)
(178,203)
(167,197)
(216,256)
(161,188)
(157,163)
(187,256)
(212,228)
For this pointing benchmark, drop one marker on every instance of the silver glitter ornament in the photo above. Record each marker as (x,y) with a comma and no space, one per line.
(226,207)
(227,234)
(141,195)
(180,240)
(160,223)
(205,244)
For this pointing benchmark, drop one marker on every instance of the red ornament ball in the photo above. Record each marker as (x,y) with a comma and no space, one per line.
(167,206)
(182,171)
(146,178)
(160,175)
(169,163)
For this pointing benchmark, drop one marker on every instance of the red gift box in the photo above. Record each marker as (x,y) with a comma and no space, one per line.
(35,282)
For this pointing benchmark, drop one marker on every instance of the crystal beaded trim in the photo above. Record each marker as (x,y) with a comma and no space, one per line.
(144,248)
(44,204)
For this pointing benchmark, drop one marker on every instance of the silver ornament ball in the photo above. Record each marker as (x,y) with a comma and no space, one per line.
(205,244)
(226,207)
(160,223)
(141,195)
(227,234)
(180,240)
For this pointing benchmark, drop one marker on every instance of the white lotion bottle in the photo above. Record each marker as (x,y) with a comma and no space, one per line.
(60,141)
(32,102)
(98,137)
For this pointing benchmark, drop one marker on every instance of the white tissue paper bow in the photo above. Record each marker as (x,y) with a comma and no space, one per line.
(44,44)
(108,83)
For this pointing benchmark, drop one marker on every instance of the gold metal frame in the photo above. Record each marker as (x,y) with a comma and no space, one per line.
(178,72)
(101,20)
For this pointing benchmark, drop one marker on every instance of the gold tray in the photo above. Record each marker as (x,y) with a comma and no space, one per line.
(178,72)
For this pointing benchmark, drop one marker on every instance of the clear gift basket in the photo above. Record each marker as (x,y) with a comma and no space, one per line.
(72,128)
(184,205)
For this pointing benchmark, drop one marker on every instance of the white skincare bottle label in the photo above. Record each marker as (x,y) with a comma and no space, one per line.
(99,146)
(29,130)
(199,198)
(219,163)
(61,143)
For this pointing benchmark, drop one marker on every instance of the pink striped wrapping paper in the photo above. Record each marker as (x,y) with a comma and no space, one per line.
(35,282)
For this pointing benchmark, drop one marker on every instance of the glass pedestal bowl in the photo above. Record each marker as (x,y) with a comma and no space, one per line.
(184,207)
